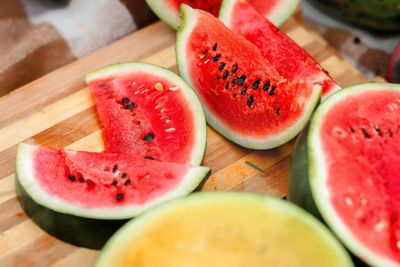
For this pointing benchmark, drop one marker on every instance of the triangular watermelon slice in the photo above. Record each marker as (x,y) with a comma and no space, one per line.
(148,111)
(63,190)
(244,96)
(276,10)
(289,59)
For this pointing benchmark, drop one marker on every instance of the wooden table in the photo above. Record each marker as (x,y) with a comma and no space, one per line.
(57,110)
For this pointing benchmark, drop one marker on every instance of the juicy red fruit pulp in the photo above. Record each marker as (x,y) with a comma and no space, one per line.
(101,180)
(290,60)
(213,6)
(236,82)
(144,115)
(361,140)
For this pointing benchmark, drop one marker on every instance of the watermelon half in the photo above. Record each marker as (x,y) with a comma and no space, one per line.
(224,230)
(346,170)
(83,197)
(244,96)
(290,60)
(148,111)
(168,10)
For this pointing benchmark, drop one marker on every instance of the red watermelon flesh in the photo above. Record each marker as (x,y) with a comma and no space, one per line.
(290,60)
(213,6)
(244,96)
(102,180)
(361,140)
(146,115)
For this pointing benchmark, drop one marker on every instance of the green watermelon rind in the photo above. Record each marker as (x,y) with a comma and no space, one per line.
(189,21)
(26,179)
(308,164)
(127,232)
(284,11)
(194,104)
(165,12)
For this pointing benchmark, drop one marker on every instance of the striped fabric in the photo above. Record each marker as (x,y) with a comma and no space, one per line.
(38,36)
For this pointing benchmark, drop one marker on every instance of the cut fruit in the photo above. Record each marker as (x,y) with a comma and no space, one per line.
(277,11)
(289,59)
(345,169)
(224,230)
(244,97)
(148,111)
(64,190)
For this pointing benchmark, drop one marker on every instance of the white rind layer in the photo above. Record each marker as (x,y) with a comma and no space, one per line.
(283,208)
(318,176)
(192,100)
(278,16)
(25,173)
(189,21)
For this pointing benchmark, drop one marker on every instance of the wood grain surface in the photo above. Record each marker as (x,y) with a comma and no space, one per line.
(57,111)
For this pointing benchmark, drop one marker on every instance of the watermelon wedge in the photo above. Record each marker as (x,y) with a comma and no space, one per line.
(277,11)
(289,59)
(244,96)
(148,111)
(224,230)
(84,197)
(346,166)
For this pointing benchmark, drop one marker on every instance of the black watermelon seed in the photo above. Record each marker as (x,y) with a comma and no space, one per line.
(148,137)
(115,169)
(234,68)
(127,182)
(221,66)
(130,106)
(218,77)
(215,46)
(378,130)
(278,111)
(149,157)
(352,130)
(72,178)
(81,180)
(272,91)
(226,73)
(365,133)
(234,81)
(114,183)
(120,196)
(125,100)
(124,175)
(234,94)
(244,90)
(256,84)
(250,101)
(217,57)
(266,86)
(204,53)
(227,86)
(241,80)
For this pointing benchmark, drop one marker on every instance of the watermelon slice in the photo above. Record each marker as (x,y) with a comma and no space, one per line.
(346,170)
(64,190)
(168,10)
(289,59)
(244,96)
(224,229)
(148,111)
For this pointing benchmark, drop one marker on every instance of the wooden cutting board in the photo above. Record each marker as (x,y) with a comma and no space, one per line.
(57,111)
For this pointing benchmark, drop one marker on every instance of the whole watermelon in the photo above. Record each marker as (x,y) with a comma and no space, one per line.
(379,15)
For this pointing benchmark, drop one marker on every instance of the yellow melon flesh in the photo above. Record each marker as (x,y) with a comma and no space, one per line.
(224,229)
